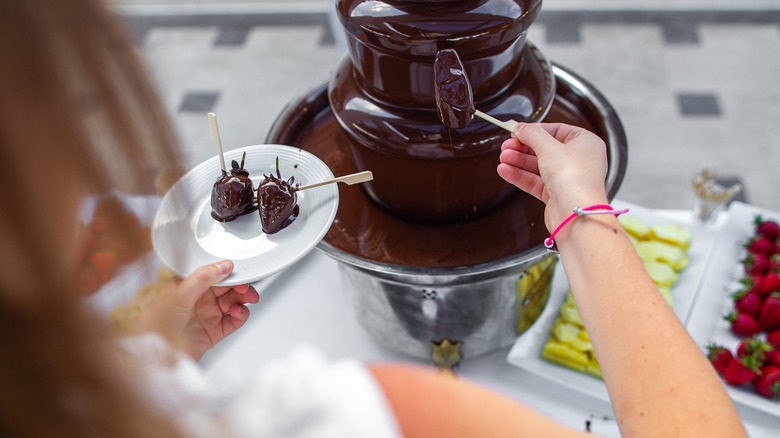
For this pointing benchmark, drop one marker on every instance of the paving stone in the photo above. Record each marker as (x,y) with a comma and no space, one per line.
(690,87)
(199,102)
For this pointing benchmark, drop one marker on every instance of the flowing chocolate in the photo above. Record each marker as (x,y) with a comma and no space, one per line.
(233,194)
(454,98)
(383,95)
(278,202)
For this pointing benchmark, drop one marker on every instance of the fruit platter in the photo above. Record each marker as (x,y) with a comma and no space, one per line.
(736,315)
(557,347)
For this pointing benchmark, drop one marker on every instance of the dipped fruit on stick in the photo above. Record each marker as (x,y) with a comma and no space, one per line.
(233,193)
(277,201)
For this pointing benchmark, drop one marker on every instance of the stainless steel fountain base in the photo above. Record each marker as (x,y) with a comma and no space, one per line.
(472,315)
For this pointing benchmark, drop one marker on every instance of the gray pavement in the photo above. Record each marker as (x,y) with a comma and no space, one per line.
(693,81)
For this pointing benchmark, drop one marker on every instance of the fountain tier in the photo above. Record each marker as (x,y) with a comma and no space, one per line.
(383,97)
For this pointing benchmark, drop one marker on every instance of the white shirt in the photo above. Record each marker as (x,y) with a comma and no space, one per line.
(303,395)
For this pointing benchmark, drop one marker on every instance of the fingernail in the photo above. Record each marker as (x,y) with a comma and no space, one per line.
(224,267)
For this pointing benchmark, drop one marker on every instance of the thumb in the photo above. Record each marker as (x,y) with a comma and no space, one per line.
(534,136)
(192,287)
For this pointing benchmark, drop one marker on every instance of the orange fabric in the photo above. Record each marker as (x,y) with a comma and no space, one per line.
(428,404)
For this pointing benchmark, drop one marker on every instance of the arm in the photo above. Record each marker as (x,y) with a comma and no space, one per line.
(659,382)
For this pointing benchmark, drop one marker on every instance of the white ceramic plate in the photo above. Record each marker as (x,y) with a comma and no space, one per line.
(527,350)
(185,236)
(721,278)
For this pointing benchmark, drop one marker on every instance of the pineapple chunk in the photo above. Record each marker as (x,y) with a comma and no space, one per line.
(661,273)
(682,264)
(571,315)
(584,335)
(594,368)
(662,252)
(674,234)
(565,332)
(565,355)
(580,345)
(634,226)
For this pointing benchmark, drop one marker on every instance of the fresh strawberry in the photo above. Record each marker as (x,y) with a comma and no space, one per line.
(771,283)
(772,358)
(760,245)
(754,347)
(719,356)
(747,301)
(768,228)
(741,371)
(742,324)
(756,263)
(774,262)
(773,338)
(753,281)
(768,384)
(769,316)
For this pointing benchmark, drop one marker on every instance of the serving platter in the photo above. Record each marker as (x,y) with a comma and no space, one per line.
(724,269)
(526,351)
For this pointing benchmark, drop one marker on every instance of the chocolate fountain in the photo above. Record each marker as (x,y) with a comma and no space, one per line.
(440,257)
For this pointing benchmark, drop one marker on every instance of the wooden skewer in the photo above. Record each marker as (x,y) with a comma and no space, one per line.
(354,178)
(218,140)
(508,125)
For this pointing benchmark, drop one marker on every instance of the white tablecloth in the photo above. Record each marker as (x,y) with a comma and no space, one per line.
(305,305)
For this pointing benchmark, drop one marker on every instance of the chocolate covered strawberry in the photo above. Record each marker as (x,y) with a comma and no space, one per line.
(233,194)
(454,97)
(278,201)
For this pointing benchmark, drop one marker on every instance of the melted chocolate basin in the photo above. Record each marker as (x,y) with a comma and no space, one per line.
(414,285)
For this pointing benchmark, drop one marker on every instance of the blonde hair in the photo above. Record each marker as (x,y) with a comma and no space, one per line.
(72,90)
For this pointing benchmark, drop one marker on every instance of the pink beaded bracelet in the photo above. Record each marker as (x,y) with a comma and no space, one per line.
(549,243)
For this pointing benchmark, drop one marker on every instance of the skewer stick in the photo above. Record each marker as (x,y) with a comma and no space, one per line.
(353,178)
(508,125)
(218,140)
